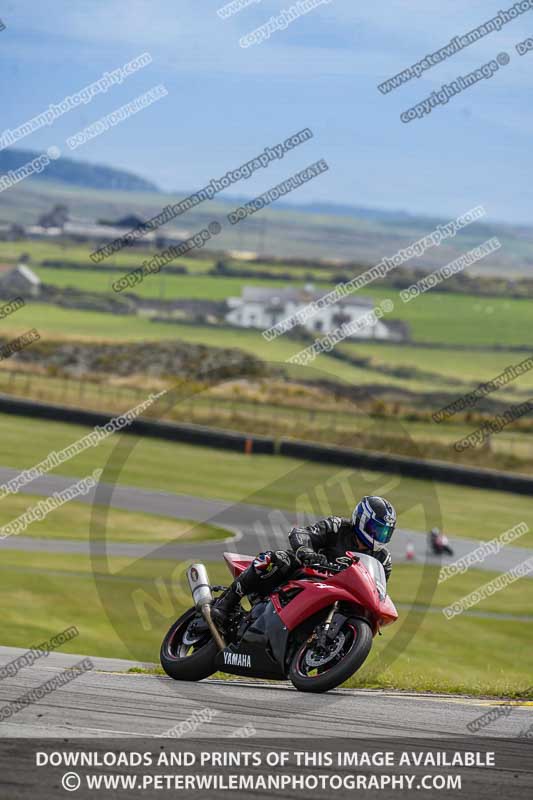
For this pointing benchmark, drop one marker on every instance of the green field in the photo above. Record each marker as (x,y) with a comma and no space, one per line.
(58,323)
(198,285)
(73,521)
(475,656)
(434,317)
(42,594)
(163,286)
(453,319)
(470,366)
(463,319)
(41,250)
(273,481)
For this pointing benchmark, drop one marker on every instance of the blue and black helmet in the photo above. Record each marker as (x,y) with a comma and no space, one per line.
(374,520)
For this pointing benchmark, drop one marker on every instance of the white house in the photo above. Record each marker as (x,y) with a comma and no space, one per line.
(262,308)
(20,279)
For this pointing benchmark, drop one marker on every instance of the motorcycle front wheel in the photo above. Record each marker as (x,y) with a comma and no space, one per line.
(319,669)
(186,654)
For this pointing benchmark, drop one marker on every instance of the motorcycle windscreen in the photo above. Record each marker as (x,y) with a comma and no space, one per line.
(375,568)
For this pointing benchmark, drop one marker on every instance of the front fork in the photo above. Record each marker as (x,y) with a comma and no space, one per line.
(327,624)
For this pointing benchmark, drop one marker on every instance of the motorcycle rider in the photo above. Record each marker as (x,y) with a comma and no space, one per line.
(370,528)
(439,543)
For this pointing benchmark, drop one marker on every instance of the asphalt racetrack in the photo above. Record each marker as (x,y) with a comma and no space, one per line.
(239,519)
(108,701)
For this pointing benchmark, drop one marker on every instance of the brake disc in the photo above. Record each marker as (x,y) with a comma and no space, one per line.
(314,659)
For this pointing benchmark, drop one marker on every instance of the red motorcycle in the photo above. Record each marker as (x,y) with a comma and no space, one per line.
(439,543)
(315,629)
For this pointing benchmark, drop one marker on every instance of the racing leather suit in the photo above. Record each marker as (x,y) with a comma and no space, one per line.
(331,537)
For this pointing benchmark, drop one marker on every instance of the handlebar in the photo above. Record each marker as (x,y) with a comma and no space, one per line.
(329,567)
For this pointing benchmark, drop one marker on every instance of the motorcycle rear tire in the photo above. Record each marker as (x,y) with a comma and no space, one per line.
(200,664)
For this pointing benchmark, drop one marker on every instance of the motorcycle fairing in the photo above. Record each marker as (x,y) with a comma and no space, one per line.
(237,563)
(312,598)
(315,595)
(260,652)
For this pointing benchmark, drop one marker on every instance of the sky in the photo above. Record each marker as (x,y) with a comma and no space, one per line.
(226,103)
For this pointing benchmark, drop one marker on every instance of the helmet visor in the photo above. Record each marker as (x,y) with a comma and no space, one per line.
(380,531)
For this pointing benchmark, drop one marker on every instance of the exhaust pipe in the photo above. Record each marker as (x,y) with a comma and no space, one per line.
(203,598)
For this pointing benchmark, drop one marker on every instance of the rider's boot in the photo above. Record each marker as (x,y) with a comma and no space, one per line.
(228,602)
(224,607)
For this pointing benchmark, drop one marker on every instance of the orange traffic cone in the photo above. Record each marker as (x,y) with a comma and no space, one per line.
(410,551)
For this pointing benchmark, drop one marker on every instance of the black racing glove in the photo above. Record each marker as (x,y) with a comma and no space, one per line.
(306,555)
(344,561)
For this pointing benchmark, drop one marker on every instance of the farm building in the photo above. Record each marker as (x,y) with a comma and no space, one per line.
(19,280)
(263,308)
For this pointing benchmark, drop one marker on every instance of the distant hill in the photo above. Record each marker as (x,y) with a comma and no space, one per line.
(327,209)
(77,173)
(96,176)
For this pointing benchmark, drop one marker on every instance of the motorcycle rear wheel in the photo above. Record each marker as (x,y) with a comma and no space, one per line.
(187,661)
(353,652)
